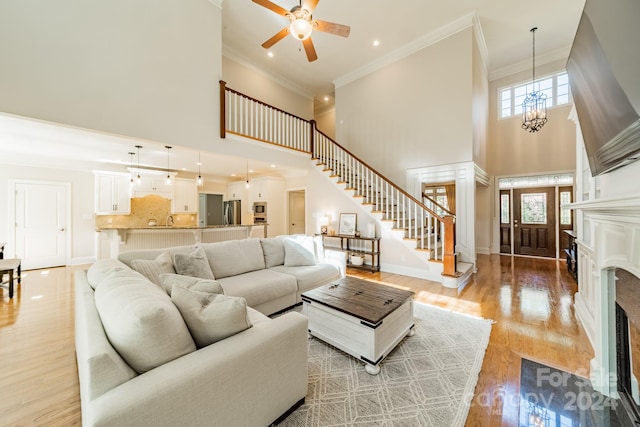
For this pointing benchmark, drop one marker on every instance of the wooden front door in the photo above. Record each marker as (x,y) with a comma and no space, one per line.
(534,222)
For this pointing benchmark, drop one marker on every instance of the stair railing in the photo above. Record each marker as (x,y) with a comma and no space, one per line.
(248,117)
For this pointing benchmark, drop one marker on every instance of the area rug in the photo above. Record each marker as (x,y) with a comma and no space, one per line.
(428,380)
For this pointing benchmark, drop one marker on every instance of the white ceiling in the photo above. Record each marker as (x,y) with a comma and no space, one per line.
(246,25)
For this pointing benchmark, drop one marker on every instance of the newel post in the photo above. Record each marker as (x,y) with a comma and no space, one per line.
(223,113)
(449,261)
(312,129)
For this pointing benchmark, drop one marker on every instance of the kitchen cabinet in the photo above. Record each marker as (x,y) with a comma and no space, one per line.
(266,190)
(237,191)
(112,193)
(185,196)
(152,184)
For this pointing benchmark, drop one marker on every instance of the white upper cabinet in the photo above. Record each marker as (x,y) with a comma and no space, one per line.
(152,184)
(112,193)
(185,196)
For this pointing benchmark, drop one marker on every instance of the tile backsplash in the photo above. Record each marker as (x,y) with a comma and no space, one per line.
(142,210)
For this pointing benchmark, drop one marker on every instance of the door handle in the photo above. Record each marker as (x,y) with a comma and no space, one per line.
(62,229)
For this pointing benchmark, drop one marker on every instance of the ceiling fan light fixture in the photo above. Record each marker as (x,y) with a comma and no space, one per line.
(301,28)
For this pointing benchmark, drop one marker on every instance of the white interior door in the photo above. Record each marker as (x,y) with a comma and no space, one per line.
(297,212)
(40,224)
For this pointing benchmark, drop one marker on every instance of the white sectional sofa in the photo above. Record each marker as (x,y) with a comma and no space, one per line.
(140,358)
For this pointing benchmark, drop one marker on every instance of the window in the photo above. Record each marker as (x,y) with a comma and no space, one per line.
(556,87)
(439,195)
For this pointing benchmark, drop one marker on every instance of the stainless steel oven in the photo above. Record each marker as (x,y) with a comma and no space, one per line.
(259,212)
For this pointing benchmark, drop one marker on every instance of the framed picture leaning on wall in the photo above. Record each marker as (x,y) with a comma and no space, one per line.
(347,224)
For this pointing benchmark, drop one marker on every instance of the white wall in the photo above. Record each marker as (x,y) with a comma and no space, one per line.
(514,151)
(144,68)
(415,112)
(82,206)
(257,85)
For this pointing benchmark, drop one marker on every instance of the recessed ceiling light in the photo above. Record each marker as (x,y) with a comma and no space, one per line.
(270,54)
(376,43)
(326,98)
(251,170)
(273,166)
(233,174)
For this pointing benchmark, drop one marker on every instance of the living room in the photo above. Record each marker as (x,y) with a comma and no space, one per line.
(511,152)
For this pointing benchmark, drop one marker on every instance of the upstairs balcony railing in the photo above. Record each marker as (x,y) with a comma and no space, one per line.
(245,116)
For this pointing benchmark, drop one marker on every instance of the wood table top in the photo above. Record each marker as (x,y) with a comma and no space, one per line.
(364,299)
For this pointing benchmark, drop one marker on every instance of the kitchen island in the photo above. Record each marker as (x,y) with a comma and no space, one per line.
(111,241)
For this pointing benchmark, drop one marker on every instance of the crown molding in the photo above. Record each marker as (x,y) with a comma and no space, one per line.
(429,39)
(525,65)
(480,40)
(217,3)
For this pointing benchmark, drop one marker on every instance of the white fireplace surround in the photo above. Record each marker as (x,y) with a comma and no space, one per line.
(608,238)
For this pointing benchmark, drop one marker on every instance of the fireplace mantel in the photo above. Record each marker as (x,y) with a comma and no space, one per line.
(608,238)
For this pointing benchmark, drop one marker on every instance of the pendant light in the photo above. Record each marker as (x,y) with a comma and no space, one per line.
(247,184)
(534,106)
(138,177)
(168,147)
(131,153)
(200,182)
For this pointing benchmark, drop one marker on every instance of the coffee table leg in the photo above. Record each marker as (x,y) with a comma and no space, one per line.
(412,331)
(371,369)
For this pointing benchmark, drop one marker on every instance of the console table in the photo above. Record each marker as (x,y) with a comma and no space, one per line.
(358,246)
(572,254)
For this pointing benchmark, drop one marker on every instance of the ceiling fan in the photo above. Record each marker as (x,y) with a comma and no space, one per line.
(302,25)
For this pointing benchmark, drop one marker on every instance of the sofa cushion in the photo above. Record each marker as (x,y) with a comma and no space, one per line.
(234,257)
(210,317)
(296,254)
(273,250)
(128,256)
(258,287)
(194,264)
(152,269)
(141,322)
(310,277)
(168,281)
(103,268)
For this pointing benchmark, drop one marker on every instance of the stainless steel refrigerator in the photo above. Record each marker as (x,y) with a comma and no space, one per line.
(232,212)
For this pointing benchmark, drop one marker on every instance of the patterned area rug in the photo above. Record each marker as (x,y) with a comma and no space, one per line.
(428,380)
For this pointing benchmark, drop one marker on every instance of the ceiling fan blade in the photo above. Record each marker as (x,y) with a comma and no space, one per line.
(272,7)
(310,5)
(275,39)
(309,49)
(333,28)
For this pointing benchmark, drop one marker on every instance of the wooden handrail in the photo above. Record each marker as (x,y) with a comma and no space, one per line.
(409,196)
(437,204)
(262,103)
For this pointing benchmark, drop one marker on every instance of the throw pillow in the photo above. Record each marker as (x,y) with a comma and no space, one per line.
(296,255)
(168,281)
(152,269)
(194,264)
(273,250)
(142,323)
(210,317)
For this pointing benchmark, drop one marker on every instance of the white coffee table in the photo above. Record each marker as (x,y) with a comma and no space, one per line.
(362,318)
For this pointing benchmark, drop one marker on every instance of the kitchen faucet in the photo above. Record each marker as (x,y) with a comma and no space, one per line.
(169,221)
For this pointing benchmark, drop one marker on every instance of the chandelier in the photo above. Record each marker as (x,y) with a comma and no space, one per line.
(534,106)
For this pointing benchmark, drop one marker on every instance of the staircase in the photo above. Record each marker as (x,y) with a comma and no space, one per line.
(405,218)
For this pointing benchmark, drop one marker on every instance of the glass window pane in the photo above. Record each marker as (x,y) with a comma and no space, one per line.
(533,208)
(504,209)
(565,214)
(563,79)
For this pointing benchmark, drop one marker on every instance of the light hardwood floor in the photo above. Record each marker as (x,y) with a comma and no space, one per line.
(531,301)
